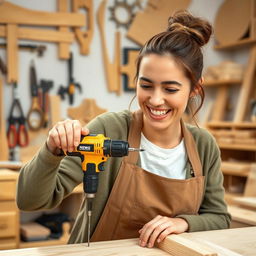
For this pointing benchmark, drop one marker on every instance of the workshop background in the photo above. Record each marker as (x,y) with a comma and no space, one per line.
(101,79)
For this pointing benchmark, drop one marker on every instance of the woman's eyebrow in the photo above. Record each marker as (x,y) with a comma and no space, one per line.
(164,82)
(145,79)
(171,82)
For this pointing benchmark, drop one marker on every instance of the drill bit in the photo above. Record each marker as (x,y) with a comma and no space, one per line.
(89,214)
(135,149)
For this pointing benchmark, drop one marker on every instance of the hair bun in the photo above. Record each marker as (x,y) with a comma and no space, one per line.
(183,21)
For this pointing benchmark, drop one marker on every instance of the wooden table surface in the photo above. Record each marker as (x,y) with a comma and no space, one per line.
(229,242)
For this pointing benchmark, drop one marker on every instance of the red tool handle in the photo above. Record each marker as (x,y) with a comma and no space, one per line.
(12,136)
(22,136)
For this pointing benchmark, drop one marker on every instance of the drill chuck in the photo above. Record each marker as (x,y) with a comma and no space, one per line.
(116,148)
(91,179)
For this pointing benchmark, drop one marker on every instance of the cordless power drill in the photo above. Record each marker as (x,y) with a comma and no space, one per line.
(94,150)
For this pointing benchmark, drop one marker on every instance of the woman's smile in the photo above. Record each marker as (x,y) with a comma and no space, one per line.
(158,114)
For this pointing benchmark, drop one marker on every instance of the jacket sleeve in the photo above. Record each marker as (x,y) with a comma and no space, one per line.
(213,212)
(47,179)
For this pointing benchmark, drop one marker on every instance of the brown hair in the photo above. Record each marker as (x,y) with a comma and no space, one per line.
(182,40)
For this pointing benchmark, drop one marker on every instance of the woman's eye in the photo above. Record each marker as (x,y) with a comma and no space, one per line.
(145,86)
(171,90)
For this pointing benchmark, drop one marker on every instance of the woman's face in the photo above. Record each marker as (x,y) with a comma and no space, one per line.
(163,91)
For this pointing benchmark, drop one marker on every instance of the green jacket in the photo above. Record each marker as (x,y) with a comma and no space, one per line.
(47,179)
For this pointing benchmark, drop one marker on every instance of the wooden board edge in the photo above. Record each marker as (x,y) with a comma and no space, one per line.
(179,246)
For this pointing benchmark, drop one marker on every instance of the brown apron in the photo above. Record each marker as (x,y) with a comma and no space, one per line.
(138,195)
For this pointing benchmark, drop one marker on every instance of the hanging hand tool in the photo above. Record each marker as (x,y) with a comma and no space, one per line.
(35,114)
(70,89)
(94,150)
(3,67)
(30,47)
(17,136)
(45,86)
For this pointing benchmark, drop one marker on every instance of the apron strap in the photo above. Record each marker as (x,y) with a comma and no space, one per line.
(192,152)
(134,136)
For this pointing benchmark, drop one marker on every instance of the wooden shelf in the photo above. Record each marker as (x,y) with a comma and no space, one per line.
(236,168)
(222,82)
(235,173)
(242,215)
(230,124)
(13,165)
(245,147)
(231,46)
(229,197)
(62,240)
(247,202)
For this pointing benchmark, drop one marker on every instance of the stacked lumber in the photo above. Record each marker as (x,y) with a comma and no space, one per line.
(235,136)
(226,70)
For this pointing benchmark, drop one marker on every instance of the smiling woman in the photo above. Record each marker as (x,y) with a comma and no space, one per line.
(175,185)
(163,92)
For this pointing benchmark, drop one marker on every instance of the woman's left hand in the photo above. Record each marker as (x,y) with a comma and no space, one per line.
(158,228)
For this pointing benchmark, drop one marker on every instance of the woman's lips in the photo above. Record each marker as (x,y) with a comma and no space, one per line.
(158,114)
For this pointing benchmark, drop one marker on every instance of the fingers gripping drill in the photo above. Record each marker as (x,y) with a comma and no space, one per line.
(94,150)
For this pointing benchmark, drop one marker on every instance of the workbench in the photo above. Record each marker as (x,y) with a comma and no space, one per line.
(228,242)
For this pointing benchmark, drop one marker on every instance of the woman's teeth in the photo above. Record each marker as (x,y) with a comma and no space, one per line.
(158,112)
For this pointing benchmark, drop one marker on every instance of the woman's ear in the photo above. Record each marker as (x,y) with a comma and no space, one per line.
(197,88)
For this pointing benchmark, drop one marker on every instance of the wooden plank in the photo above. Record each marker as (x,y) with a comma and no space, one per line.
(85,37)
(55,109)
(11,165)
(251,182)
(127,247)
(241,134)
(63,48)
(6,174)
(112,70)
(86,111)
(11,13)
(180,246)
(246,88)
(62,240)
(242,215)
(236,168)
(241,241)
(235,241)
(12,53)
(4,150)
(226,124)
(222,82)
(253,20)
(220,104)
(40,35)
(240,147)
(231,46)
(246,202)
(227,242)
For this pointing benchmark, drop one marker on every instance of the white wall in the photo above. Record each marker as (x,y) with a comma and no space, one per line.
(89,70)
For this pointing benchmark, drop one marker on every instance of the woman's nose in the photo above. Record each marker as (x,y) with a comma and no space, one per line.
(156,98)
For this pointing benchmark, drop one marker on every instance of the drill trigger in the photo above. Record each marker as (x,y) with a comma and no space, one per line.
(76,154)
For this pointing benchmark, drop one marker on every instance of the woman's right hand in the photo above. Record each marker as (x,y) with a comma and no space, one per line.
(65,135)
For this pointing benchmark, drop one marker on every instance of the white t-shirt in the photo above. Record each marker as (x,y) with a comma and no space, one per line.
(169,163)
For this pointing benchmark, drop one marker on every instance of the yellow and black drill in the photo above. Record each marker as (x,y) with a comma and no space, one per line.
(94,150)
